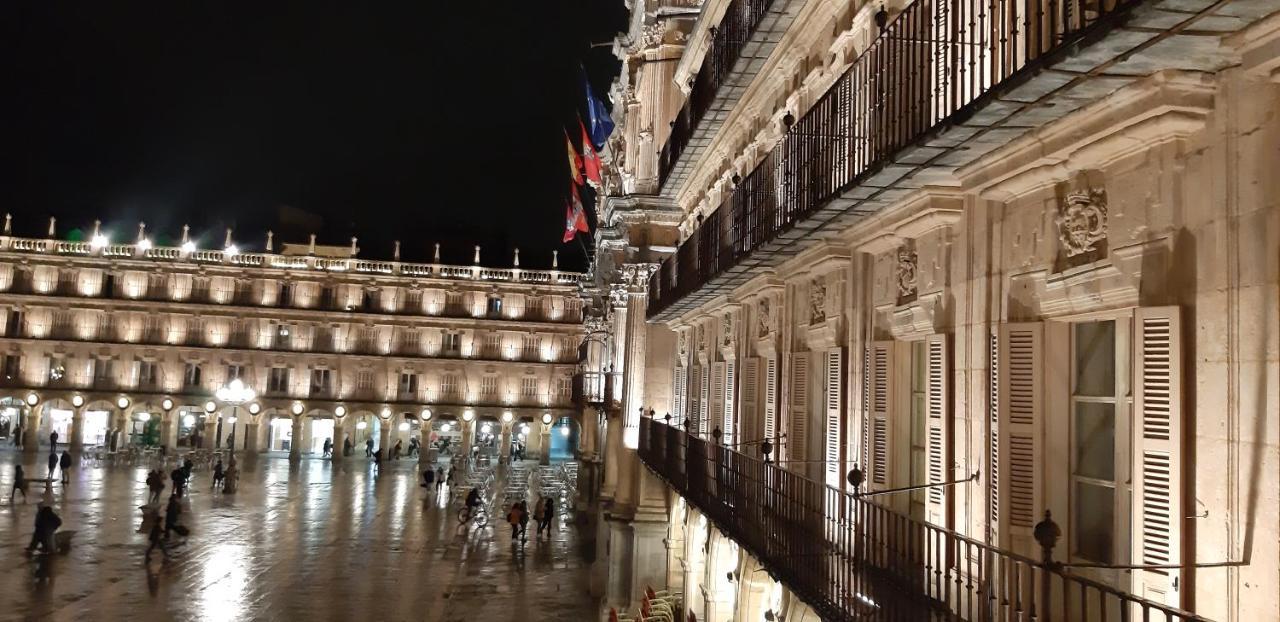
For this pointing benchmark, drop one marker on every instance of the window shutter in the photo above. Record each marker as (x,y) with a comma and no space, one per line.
(717,401)
(704,399)
(992,468)
(1157,469)
(748,397)
(1021,413)
(833,435)
(881,413)
(680,375)
(865,449)
(771,401)
(695,399)
(798,416)
(729,427)
(937,401)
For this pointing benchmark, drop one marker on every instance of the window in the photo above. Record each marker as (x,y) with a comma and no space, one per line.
(235,371)
(408,385)
(146,374)
(1097,400)
(321,384)
(528,387)
(409,341)
(364,380)
(452,343)
(12,366)
(449,384)
(495,306)
(286,294)
(532,343)
(283,335)
(278,380)
(191,376)
(919,450)
(103,373)
(492,346)
(413,300)
(489,386)
(13,327)
(566,387)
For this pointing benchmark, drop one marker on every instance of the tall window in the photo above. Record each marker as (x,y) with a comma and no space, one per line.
(1099,400)
(495,306)
(489,386)
(191,376)
(278,380)
(528,387)
(234,372)
(146,374)
(408,385)
(103,374)
(12,366)
(919,456)
(321,382)
(364,380)
(449,385)
(452,342)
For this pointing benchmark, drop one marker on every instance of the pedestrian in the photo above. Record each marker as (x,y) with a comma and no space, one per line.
(171,514)
(64,464)
(47,522)
(230,478)
(187,467)
(53,441)
(346,447)
(155,481)
(53,464)
(368,448)
(156,535)
(413,447)
(524,521)
(179,477)
(513,519)
(17,435)
(395,451)
(328,447)
(19,484)
(451,469)
(547,517)
(218,473)
(231,440)
(428,479)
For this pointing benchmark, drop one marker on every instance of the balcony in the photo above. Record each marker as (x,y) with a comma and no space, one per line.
(891,123)
(739,45)
(851,559)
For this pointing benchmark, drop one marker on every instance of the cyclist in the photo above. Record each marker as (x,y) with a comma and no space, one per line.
(473,500)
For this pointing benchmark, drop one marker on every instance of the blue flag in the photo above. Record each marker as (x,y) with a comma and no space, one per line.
(600,123)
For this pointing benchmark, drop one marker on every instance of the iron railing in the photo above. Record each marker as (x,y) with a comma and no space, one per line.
(727,40)
(930,68)
(849,558)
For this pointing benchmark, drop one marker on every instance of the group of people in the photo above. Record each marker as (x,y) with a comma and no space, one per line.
(518,518)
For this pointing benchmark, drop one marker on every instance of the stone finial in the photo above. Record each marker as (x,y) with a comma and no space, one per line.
(186,233)
(516,261)
(395,253)
(353,246)
(8,224)
(555,259)
(227,242)
(142,231)
(311,247)
(97,227)
(436,257)
(270,235)
(477,258)
(53,224)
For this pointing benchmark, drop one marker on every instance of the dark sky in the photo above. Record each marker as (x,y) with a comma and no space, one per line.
(434,123)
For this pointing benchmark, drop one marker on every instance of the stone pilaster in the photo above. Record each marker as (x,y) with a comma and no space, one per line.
(295,443)
(636,277)
(76,442)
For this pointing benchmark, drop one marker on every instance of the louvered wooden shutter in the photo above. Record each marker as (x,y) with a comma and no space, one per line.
(992,468)
(704,400)
(1021,413)
(1157,469)
(771,401)
(798,415)
(833,389)
(717,409)
(881,356)
(678,374)
(748,398)
(937,406)
(864,448)
(695,398)
(730,426)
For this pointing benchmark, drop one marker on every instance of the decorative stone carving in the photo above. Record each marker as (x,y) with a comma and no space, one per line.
(817,301)
(683,344)
(636,275)
(1082,221)
(702,337)
(652,35)
(727,325)
(906,272)
(763,317)
(617,295)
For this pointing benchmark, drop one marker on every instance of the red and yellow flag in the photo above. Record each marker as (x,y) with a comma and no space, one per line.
(575,167)
(590,159)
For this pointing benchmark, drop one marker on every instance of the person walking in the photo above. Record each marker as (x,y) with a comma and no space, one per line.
(396,449)
(439,478)
(347,447)
(171,515)
(53,464)
(155,481)
(218,473)
(428,479)
(513,519)
(64,466)
(547,517)
(368,448)
(328,448)
(17,435)
(156,535)
(19,484)
(524,522)
(179,477)
(47,522)
(53,441)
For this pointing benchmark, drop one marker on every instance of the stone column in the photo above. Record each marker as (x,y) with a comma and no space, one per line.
(617,357)
(251,435)
(210,433)
(468,430)
(544,439)
(587,442)
(31,432)
(612,456)
(295,443)
(636,277)
(424,439)
(384,437)
(339,436)
(76,442)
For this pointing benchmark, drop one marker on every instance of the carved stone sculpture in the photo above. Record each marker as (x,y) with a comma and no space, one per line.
(906,272)
(764,320)
(1082,221)
(817,301)
(728,328)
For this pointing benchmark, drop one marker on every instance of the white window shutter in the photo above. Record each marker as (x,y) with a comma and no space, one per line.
(880,471)
(1021,412)
(798,416)
(748,398)
(938,408)
(729,426)
(1157,470)
(865,441)
(992,467)
(678,391)
(695,399)
(716,411)
(833,381)
(704,401)
(771,401)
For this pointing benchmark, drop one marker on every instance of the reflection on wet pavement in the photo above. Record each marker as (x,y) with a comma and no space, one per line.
(313,540)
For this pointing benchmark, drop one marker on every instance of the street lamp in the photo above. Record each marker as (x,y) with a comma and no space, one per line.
(235,394)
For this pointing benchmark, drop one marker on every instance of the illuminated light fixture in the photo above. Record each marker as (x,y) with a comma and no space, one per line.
(189,420)
(255,408)
(524,429)
(231,419)
(404,426)
(546,418)
(564,431)
(144,244)
(340,411)
(360,425)
(468,415)
(231,250)
(520,436)
(209,406)
(144,416)
(445,427)
(386,413)
(122,402)
(296,408)
(98,241)
(77,400)
(166,404)
(32,399)
(486,428)
(425,414)
(235,392)
(507,417)
(188,247)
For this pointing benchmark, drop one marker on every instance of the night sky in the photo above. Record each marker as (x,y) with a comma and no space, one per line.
(440,122)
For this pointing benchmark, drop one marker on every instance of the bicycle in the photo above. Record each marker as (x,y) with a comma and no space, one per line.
(480,515)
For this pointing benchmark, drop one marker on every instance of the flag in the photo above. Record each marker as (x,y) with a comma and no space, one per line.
(590,159)
(575,168)
(575,218)
(601,123)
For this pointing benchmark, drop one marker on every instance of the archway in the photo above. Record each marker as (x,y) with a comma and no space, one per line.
(142,425)
(565,434)
(364,426)
(318,427)
(13,414)
(487,437)
(56,415)
(97,423)
(446,434)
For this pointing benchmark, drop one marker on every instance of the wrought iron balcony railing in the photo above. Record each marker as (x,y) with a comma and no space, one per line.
(931,67)
(727,40)
(851,559)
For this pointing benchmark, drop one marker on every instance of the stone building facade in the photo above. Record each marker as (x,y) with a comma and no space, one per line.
(116,344)
(1060,301)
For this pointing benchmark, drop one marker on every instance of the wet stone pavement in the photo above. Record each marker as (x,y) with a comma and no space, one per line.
(309,541)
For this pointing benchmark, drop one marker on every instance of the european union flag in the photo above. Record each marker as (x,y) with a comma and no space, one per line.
(600,123)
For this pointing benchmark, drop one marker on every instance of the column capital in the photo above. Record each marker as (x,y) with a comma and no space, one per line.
(618,295)
(636,276)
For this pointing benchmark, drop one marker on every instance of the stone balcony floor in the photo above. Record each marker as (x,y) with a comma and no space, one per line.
(313,541)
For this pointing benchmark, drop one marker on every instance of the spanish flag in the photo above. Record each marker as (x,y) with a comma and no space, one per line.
(590,159)
(575,167)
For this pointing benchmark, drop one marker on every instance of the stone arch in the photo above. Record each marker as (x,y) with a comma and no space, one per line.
(13,415)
